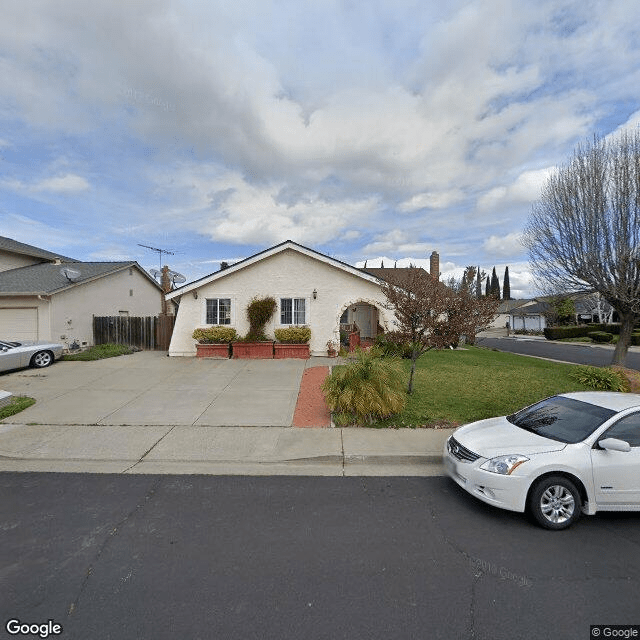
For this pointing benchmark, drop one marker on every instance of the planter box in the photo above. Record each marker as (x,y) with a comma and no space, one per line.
(218,350)
(281,350)
(252,349)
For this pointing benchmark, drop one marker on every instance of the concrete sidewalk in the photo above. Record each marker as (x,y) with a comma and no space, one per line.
(221,450)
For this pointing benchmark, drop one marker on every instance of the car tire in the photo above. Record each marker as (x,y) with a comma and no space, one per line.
(41,359)
(555,503)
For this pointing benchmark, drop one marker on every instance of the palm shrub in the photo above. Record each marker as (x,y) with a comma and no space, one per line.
(368,389)
(600,378)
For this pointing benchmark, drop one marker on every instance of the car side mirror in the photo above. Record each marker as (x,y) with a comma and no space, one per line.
(613,444)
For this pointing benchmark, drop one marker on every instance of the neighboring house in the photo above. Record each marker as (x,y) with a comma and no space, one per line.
(528,314)
(310,289)
(44,296)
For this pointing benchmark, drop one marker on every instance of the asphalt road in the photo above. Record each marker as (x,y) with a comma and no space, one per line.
(566,351)
(136,557)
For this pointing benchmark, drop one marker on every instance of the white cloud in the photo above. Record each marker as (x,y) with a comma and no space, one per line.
(525,189)
(503,246)
(62,184)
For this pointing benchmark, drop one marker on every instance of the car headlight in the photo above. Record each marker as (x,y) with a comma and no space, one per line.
(504,465)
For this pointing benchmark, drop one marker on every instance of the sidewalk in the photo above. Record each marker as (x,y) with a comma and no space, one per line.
(221,450)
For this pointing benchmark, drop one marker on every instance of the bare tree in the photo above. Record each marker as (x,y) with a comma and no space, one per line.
(584,232)
(431,315)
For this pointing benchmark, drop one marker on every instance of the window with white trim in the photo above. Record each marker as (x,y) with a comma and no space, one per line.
(218,311)
(293,311)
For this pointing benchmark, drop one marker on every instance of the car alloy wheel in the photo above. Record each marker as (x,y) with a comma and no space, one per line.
(555,503)
(42,359)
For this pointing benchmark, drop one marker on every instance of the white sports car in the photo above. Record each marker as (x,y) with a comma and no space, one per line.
(14,355)
(569,454)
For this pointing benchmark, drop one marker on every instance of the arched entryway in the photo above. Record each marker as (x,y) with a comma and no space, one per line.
(363,317)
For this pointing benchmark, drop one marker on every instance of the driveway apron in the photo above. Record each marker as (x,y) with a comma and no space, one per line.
(148,389)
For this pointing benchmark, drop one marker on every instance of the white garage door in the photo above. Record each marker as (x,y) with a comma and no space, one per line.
(19,324)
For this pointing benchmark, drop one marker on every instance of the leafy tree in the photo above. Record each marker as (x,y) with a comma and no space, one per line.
(584,232)
(506,287)
(430,315)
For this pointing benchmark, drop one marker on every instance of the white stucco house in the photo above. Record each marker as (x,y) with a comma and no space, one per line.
(310,289)
(45,296)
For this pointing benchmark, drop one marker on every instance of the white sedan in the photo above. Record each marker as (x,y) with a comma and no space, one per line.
(14,355)
(569,454)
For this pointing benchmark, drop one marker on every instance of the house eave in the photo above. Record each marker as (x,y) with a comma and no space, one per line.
(267,253)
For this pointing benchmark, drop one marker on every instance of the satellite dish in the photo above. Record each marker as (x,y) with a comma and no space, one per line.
(72,275)
(177,277)
(155,273)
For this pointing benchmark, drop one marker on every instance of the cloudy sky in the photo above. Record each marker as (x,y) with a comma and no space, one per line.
(386,128)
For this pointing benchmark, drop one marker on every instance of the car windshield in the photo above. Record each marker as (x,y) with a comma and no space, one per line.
(9,345)
(562,419)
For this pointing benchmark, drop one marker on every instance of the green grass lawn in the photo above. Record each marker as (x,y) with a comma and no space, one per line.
(456,387)
(99,352)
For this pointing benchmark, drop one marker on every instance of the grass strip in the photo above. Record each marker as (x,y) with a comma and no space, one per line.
(16,405)
(99,352)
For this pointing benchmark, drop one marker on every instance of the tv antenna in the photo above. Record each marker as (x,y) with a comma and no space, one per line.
(160,251)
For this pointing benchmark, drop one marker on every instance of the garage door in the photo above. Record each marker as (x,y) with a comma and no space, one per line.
(19,324)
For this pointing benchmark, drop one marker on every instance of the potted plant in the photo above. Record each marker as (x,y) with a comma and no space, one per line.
(213,342)
(293,342)
(332,348)
(256,344)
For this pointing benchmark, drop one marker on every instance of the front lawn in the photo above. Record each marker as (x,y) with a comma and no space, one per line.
(456,387)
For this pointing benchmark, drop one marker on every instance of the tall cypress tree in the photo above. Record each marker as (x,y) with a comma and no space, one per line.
(487,291)
(506,287)
(495,284)
(478,284)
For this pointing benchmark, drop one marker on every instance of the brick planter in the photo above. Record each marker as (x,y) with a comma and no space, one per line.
(281,350)
(256,350)
(217,350)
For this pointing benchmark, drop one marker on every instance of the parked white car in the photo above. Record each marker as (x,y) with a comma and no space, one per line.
(569,454)
(14,355)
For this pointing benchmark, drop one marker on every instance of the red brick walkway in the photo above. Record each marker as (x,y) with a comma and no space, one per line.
(311,410)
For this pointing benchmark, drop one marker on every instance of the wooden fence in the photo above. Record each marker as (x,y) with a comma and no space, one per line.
(143,332)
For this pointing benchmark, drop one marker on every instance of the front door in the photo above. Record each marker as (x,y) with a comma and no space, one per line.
(362,317)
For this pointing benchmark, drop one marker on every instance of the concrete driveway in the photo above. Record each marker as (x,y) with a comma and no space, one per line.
(148,388)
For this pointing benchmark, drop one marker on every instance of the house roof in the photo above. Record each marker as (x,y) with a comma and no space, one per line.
(8,244)
(390,273)
(507,306)
(47,278)
(267,253)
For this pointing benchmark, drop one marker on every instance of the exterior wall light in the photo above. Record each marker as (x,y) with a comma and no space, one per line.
(315,294)
(195,295)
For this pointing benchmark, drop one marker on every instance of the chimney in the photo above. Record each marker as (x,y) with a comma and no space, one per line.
(434,265)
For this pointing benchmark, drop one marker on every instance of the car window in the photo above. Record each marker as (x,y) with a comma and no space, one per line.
(627,429)
(562,419)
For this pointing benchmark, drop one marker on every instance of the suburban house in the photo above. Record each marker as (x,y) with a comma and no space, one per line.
(46,296)
(522,315)
(309,287)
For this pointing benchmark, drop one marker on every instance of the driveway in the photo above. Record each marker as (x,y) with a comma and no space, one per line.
(148,388)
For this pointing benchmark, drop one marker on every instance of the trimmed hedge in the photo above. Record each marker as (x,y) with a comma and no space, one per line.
(600,336)
(559,333)
(293,335)
(214,335)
